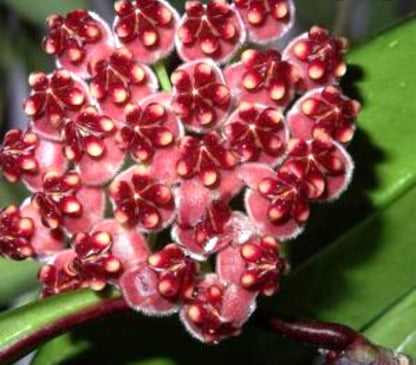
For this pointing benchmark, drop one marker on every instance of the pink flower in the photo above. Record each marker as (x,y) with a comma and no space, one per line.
(318,57)
(200,97)
(147,28)
(266,20)
(263,78)
(214,30)
(324,112)
(176,161)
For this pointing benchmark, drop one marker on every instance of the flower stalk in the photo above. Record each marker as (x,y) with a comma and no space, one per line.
(334,340)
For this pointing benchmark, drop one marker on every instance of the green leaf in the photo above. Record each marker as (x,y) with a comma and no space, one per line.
(38,12)
(355,280)
(16,278)
(396,328)
(21,322)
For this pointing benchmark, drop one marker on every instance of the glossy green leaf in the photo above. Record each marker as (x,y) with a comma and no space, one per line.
(16,278)
(21,322)
(396,328)
(356,279)
(39,11)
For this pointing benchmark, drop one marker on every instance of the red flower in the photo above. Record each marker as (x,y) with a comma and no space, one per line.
(266,20)
(146,27)
(257,133)
(119,80)
(200,97)
(185,155)
(78,40)
(324,112)
(262,78)
(214,30)
(318,57)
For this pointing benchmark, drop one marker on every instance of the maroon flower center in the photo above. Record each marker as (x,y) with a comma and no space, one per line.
(17,154)
(140,199)
(259,10)
(15,234)
(266,70)
(176,272)
(322,53)
(312,162)
(145,131)
(198,95)
(208,25)
(204,156)
(53,96)
(257,130)
(263,265)
(332,113)
(288,197)
(86,134)
(142,20)
(204,310)
(212,225)
(58,198)
(71,34)
(94,260)
(113,77)
(60,277)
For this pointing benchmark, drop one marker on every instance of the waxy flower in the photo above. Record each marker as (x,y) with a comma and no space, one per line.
(184,161)
(214,30)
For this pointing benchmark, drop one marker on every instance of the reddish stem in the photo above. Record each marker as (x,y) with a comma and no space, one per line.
(325,335)
(329,336)
(87,315)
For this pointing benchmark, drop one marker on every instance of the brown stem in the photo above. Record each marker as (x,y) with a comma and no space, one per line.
(90,314)
(328,336)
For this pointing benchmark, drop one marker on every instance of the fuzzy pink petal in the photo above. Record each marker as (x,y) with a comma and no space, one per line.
(230,265)
(44,241)
(233,74)
(252,173)
(193,200)
(50,158)
(129,246)
(336,185)
(301,125)
(230,184)
(139,287)
(238,304)
(93,205)
(98,171)
(44,129)
(186,238)
(257,209)
(163,165)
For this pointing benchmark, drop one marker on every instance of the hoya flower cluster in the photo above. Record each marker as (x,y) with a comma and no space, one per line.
(100,132)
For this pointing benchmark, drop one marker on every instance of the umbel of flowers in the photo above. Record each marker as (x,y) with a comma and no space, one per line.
(270,128)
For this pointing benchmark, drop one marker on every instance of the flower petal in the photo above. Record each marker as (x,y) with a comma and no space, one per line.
(257,209)
(93,205)
(139,287)
(95,172)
